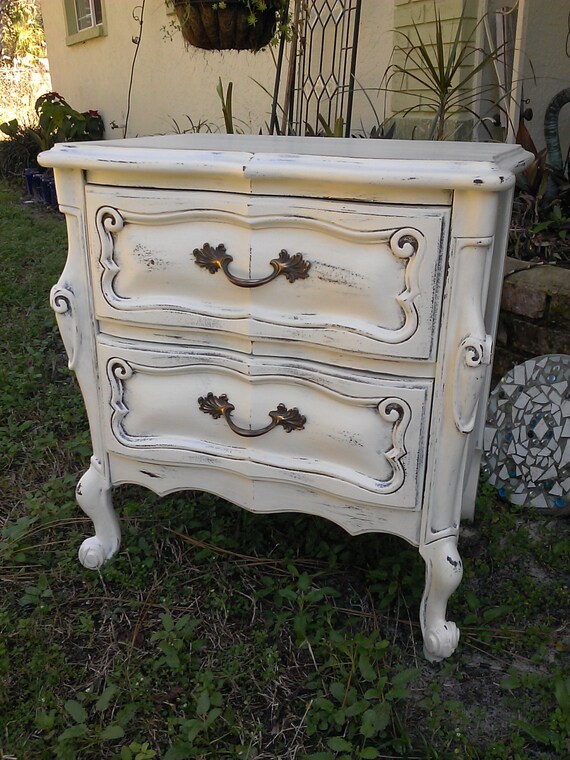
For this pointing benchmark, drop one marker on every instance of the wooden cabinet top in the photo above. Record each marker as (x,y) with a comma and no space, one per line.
(250,163)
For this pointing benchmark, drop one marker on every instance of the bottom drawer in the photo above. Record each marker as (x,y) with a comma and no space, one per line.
(354,435)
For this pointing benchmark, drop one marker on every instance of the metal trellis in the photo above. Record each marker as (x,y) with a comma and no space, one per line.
(322,65)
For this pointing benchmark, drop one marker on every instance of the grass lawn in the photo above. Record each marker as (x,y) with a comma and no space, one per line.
(218,634)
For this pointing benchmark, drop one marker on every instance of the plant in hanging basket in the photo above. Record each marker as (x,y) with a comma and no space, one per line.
(231,24)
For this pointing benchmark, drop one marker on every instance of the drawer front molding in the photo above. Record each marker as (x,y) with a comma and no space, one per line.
(395,440)
(138,287)
(404,244)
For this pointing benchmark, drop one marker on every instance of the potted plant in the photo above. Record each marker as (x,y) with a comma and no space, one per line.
(56,122)
(230,24)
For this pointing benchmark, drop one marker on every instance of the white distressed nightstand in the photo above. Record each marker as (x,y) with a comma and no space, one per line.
(294,324)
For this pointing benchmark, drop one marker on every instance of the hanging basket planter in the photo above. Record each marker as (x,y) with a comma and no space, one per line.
(229,24)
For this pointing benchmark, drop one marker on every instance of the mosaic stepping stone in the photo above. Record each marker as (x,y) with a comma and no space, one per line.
(527,435)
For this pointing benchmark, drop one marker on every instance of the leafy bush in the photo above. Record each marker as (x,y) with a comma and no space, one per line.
(540,222)
(19,151)
(22,30)
(56,122)
(59,122)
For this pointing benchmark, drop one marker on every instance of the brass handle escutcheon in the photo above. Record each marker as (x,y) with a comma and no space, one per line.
(220,406)
(292,267)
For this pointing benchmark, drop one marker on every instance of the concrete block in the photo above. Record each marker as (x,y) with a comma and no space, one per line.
(522,298)
(535,340)
(537,292)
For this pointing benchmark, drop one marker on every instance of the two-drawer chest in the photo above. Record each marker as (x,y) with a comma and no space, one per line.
(293,324)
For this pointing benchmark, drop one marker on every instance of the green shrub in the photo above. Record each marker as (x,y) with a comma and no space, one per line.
(56,122)
(19,151)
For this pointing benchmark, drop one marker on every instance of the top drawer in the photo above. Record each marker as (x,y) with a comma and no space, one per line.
(355,277)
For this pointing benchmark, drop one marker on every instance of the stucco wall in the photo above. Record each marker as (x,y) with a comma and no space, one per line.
(171,82)
(546,49)
(545,62)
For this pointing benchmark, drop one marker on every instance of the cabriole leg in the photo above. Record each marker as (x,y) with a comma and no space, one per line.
(94,497)
(443,575)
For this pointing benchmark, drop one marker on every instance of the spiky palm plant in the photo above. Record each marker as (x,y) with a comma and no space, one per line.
(446,73)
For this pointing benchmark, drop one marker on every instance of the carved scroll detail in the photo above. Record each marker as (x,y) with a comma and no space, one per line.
(475,347)
(62,302)
(396,411)
(474,354)
(477,351)
(118,371)
(405,244)
(108,221)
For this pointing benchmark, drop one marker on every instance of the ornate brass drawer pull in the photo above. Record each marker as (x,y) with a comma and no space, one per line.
(292,267)
(218,406)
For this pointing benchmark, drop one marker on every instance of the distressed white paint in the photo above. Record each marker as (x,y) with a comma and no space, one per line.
(151,277)
(381,350)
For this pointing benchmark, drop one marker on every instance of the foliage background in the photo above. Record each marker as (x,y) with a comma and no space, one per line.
(23,66)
